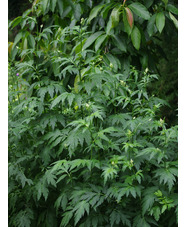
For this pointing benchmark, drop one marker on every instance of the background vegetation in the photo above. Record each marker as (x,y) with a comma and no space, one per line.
(93,113)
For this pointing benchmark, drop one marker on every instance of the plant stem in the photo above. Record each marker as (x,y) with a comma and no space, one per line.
(124,2)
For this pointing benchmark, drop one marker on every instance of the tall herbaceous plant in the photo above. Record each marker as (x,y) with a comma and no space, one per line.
(88,143)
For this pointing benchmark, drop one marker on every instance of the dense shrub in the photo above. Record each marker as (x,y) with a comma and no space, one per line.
(87,143)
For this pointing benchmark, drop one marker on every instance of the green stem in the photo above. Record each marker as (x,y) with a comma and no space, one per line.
(18,92)
(124,2)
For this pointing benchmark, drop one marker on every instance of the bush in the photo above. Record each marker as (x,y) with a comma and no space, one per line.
(87,146)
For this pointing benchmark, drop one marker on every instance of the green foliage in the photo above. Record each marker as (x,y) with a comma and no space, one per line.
(87,143)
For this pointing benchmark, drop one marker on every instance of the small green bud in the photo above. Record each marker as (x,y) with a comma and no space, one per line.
(82,21)
(111,65)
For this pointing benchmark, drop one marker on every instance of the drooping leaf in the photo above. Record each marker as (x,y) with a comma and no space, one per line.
(175,21)
(91,39)
(150,25)
(127,26)
(45,5)
(160,21)
(115,16)
(121,44)
(66,218)
(136,37)
(94,12)
(130,18)
(53,5)
(140,10)
(172,9)
(99,41)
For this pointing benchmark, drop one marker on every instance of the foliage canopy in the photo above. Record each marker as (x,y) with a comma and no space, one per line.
(87,146)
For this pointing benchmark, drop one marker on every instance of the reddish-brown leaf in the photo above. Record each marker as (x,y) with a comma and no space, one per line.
(129,16)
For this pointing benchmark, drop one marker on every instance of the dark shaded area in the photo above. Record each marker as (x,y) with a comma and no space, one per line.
(17,7)
(167,85)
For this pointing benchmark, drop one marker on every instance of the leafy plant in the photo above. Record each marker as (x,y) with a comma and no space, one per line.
(87,144)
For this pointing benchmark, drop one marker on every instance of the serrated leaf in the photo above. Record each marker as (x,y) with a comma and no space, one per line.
(156,213)
(66,218)
(148,200)
(51,178)
(140,10)
(80,209)
(160,21)
(136,38)
(91,39)
(70,98)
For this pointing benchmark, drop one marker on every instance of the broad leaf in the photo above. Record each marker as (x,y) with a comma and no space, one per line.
(160,21)
(175,21)
(129,17)
(127,26)
(115,16)
(91,39)
(172,9)
(136,38)
(140,10)
(150,25)
(94,12)
(99,41)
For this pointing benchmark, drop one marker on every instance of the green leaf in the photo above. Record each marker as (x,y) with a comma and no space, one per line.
(172,9)
(175,21)
(60,6)
(31,40)
(136,38)
(45,5)
(94,12)
(99,41)
(156,213)
(91,39)
(127,26)
(53,5)
(150,25)
(130,18)
(15,22)
(80,209)
(50,178)
(114,218)
(109,26)
(148,3)
(115,16)
(18,37)
(66,218)
(140,10)
(166,176)
(121,44)
(148,199)
(160,21)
